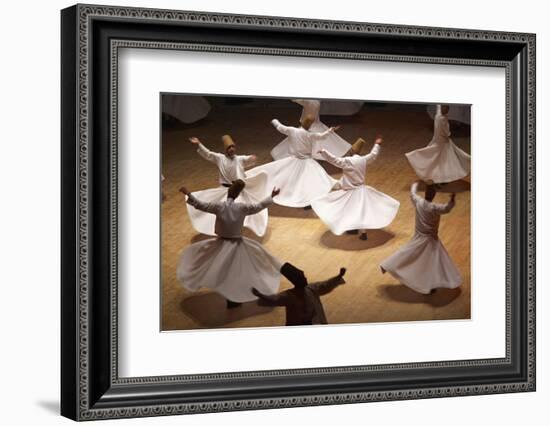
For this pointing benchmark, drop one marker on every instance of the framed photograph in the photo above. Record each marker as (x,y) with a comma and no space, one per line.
(264,212)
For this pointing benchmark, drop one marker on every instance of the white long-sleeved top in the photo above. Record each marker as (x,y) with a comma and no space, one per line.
(442,130)
(230,168)
(354,168)
(300,139)
(428,213)
(230,215)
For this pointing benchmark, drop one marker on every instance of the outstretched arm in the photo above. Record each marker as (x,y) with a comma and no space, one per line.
(445,208)
(254,208)
(250,209)
(375,151)
(213,208)
(270,300)
(248,160)
(204,152)
(414,196)
(285,130)
(316,136)
(325,287)
(335,161)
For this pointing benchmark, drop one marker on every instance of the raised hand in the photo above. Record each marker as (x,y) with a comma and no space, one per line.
(334,128)
(378,140)
(194,140)
(342,272)
(184,190)
(275,192)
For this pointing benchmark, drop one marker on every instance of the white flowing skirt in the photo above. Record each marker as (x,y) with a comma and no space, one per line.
(301,180)
(187,109)
(230,267)
(440,162)
(423,264)
(255,191)
(360,208)
(340,107)
(332,143)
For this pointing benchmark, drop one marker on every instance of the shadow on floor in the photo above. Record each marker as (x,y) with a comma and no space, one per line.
(295,212)
(401,293)
(209,310)
(456,187)
(351,242)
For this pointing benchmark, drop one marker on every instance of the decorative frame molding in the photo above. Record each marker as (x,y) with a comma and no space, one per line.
(91,37)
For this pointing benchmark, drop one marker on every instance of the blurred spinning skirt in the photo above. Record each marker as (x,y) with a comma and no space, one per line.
(360,208)
(230,267)
(423,264)
(301,180)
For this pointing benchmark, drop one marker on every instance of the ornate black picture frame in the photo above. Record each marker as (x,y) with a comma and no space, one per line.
(91,36)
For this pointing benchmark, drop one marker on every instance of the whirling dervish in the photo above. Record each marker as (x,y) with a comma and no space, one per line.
(332,143)
(340,107)
(228,262)
(355,205)
(441,161)
(185,108)
(231,167)
(423,264)
(303,302)
(300,177)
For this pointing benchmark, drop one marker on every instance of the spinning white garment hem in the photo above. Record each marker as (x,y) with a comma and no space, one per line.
(332,143)
(423,264)
(187,109)
(360,208)
(256,190)
(231,267)
(440,162)
(301,180)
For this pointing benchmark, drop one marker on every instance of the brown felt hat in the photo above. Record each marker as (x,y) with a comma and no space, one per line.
(307,121)
(358,145)
(227,141)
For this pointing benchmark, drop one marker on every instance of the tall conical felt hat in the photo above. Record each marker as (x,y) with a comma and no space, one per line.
(294,275)
(307,121)
(358,145)
(227,141)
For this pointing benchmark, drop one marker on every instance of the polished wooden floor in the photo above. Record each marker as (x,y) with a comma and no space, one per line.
(298,236)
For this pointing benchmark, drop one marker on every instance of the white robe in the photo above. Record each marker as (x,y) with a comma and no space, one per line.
(300,178)
(355,205)
(441,161)
(340,107)
(423,263)
(332,142)
(459,113)
(229,264)
(230,169)
(187,109)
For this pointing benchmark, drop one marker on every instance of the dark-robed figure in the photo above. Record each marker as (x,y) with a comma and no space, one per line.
(303,302)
